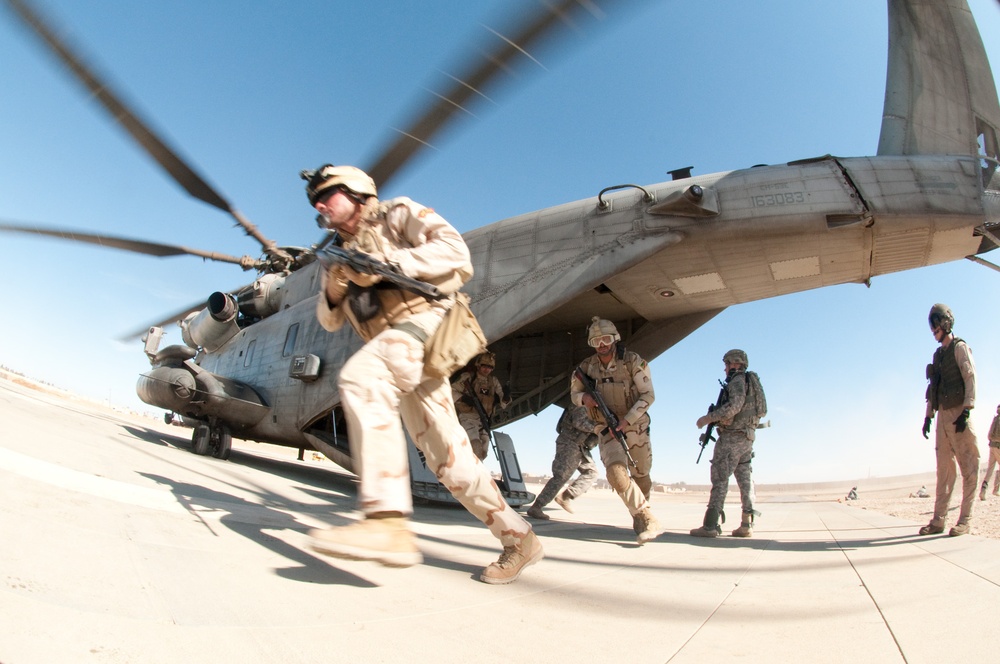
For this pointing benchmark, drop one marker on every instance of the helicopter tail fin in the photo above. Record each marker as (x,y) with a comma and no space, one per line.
(940,95)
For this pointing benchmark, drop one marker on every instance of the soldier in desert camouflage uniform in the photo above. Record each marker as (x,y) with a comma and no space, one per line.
(578,434)
(737,415)
(385,380)
(994,459)
(623,380)
(951,393)
(478,383)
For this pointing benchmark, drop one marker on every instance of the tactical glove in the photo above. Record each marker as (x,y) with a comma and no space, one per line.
(962,422)
(927,426)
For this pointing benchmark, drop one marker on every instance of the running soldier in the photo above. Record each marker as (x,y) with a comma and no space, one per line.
(385,380)
(736,417)
(578,434)
(478,383)
(951,393)
(994,459)
(623,380)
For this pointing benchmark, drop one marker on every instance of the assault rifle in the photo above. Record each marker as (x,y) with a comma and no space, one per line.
(365,264)
(609,418)
(706,438)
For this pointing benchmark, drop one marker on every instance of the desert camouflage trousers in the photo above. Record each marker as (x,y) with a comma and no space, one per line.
(994,461)
(733,453)
(570,457)
(383,382)
(478,437)
(953,447)
(636,496)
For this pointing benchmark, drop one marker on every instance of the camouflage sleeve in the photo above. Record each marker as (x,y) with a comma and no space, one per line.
(330,316)
(576,390)
(643,381)
(736,394)
(963,356)
(459,387)
(580,420)
(436,250)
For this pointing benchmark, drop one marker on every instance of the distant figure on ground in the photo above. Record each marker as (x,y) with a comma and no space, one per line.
(853,493)
(921,493)
(951,393)
(578,434)
(737,416)
(480,384)
(994,458)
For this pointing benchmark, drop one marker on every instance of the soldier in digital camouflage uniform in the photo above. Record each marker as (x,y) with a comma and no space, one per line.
(736,418)
(623,380)
(578,434)
(478,383)
(951,393)
(385,380)
(994,459)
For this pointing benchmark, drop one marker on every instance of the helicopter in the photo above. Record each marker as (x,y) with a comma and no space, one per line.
(659,260)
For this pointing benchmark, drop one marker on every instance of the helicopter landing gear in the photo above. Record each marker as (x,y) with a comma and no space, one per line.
(217,440)
(222,443)
(201,438)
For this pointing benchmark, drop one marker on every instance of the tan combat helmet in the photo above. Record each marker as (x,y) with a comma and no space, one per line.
(487,359)
(736,355)
(328,176)
(599,327)
(942,317)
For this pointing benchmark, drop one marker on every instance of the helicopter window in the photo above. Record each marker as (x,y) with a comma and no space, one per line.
(293,332)
(249,357)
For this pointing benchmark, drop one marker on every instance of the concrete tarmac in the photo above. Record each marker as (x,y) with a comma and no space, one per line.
(120,545)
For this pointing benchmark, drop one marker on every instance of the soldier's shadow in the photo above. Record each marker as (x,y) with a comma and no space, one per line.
(256,522)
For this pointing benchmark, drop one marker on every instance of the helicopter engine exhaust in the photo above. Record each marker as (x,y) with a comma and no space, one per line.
(214,325)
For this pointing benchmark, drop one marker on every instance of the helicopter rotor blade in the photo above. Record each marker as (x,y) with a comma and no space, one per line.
(167,158)
(172,318)
(447,104)
(127,244)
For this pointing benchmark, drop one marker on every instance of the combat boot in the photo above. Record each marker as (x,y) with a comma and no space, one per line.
(513,560)
(746,526)
(387,540)
(711,526)
(959,529)
(646,526)
(565,502)
(932,528)
(535,512)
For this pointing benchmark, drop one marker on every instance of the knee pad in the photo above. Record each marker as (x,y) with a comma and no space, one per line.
(618,477)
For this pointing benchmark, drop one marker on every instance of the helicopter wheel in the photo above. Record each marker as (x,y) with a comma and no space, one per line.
(202,437)
(223,443)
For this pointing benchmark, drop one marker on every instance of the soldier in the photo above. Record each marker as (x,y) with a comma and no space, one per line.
(578,434)
(622,378)
(951,393)
(478,383)
(385,380)
(737,416)
(994,458)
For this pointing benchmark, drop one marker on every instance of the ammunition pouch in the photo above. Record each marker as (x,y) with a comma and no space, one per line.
(456,341)
(363,301)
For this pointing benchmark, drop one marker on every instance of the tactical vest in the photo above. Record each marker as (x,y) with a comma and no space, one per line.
(947,388)
(616,386)
(371,310)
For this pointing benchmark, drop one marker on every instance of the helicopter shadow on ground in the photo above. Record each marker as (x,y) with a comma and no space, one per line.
(254,521)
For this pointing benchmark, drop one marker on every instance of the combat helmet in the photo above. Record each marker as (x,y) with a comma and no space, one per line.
(941,317)
(328,176)
(487,359)
(600,327)
(737,355)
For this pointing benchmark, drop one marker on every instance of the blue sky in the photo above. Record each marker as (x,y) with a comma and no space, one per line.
(253,92)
